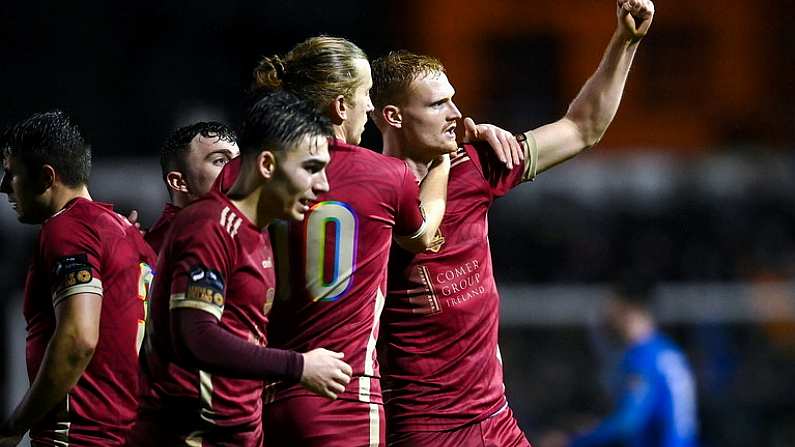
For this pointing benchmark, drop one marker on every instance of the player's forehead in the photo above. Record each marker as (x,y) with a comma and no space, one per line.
(310,148)
(204,145)
(431,86)
(363,72)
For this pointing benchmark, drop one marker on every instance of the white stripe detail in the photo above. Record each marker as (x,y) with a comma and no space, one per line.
(194,439)
(369,363)
(236,226)
(61,433)
(459,161)
(224,213)
(375,421)
(206,393)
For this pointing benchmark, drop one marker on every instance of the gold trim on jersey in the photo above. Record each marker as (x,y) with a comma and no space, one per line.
(206,394)
(178,300)
(420,231)
(427,294)
(530,147)
(93,286)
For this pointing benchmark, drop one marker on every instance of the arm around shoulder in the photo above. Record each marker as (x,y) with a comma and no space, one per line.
(433,198)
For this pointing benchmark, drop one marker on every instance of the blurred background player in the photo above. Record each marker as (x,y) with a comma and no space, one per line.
(655,399)
(206,353)
(191,158)
(442,309)
(84,296)
(332,265)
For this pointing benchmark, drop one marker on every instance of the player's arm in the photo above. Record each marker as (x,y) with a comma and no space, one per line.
(633,411)
(67,355)
(211,348)
(592,110)
(433,199)
(197,301)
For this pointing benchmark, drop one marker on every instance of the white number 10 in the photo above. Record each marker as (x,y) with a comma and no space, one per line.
(329,281)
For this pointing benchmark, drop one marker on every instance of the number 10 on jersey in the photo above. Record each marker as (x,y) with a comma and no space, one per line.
(331,237)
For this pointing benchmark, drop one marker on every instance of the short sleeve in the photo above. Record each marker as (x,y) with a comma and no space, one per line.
(410,221)
(203,262)
(72,254)
(499,178)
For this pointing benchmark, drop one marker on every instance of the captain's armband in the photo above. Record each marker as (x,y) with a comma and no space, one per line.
(73,274)
(204,291)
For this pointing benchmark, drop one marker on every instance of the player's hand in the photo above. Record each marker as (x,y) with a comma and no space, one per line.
(634,17)
(325,373)
(504,144)
(133,219)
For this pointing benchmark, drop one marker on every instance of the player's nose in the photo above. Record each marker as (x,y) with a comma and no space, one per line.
(455,114)
(321,185)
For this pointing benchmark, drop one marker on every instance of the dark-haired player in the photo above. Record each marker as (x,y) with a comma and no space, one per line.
(191,158)
(84,296)
(441,362)
(207,357)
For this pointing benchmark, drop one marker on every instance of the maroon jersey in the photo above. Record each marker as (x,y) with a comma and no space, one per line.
(332,265)
(441,364)
(87,248)
(156,234)
(218,261)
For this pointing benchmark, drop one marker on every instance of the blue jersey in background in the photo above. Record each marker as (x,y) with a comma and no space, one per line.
(656,402)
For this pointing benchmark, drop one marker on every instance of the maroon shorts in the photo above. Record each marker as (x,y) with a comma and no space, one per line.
(161,428)
(498,430)
(316,421)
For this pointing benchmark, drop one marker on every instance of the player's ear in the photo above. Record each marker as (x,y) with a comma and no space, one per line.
(266,163)
(46,178)
(338,110)
(392,116)
(176,182)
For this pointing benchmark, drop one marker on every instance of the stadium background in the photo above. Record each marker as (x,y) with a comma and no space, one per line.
(694,181)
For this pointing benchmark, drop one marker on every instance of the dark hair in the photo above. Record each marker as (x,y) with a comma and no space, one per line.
(177,145)
(277,120)
(317,70)
(394,73)
(50,138)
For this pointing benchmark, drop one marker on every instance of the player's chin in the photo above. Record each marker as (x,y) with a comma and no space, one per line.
(448,147)
(298,212)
